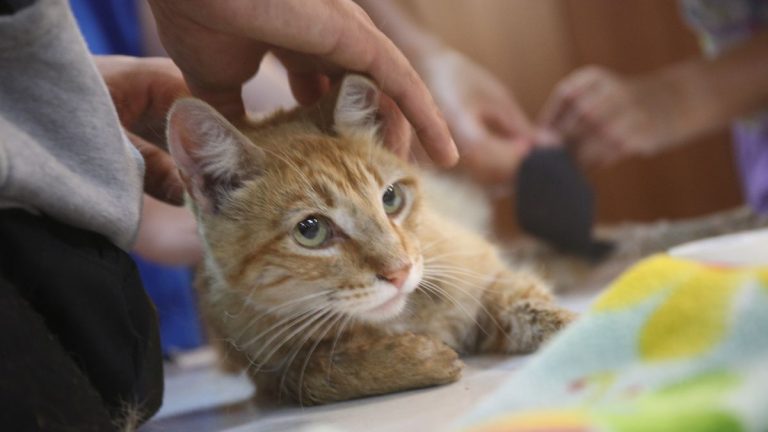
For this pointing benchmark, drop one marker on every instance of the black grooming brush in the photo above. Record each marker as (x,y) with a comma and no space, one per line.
(556,204)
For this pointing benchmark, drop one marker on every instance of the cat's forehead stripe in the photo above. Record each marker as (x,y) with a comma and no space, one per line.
(255,255)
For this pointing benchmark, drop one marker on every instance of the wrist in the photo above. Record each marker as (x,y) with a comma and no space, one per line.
(418,47)
(685,106)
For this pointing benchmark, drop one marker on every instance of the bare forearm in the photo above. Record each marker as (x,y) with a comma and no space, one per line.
(714,92)
(394,22)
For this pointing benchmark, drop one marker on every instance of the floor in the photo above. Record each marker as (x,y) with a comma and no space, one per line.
(200,398)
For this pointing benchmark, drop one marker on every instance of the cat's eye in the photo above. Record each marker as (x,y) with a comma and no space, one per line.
(393,199)
(312,232)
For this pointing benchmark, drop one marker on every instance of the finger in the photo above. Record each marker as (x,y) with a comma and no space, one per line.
(227,101)
(605,147)
(466,129)
(307,88)
(566,92)
(498,160)
(504,116)
(141,89)
(397,131)
(416,103)
(343,35)
(506,123)
(579,109)
(309,78)
(161,177)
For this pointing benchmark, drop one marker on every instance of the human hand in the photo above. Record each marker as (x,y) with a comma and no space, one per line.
(608,117)
(492,133)
(143,91)
(168,235)
(220,45)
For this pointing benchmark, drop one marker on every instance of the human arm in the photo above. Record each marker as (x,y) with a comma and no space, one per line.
(220,45)
(168,235)
(609,117)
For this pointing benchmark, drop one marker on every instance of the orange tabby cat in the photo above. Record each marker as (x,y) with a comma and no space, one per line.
(326,275)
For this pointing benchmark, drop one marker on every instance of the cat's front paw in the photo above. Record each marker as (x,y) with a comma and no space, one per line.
(524,326)
(424,360)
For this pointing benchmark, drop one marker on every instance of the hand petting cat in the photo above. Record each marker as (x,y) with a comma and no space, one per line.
(220,45)
(492,132)
(143,90)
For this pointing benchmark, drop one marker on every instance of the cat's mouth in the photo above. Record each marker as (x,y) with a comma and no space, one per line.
(390,308)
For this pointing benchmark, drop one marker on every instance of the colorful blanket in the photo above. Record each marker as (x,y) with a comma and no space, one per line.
(672,345)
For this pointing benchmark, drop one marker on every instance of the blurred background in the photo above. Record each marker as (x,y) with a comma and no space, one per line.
(531,45)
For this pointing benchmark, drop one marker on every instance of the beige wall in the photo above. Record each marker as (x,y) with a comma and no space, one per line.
(531,44)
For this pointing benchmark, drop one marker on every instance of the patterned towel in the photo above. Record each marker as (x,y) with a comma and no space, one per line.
(672,345)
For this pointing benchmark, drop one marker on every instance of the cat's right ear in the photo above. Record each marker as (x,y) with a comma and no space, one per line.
(213,157)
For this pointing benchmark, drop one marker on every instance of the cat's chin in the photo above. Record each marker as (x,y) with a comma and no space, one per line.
(387,310)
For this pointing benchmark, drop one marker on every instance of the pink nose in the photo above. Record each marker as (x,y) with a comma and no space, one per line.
(396,277)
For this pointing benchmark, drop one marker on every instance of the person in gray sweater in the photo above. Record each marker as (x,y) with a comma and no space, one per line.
(78,336)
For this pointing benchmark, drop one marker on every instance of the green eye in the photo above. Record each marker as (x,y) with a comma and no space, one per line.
(312,232)
(393,199)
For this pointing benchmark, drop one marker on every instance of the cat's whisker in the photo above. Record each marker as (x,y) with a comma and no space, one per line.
(273,310)
(468,278)
(461,278)
(488,286)
(283,320)
(315,316)
(463,270)
(339,332)
(470,273)
(458,287)
(438,258)
(285,365)
(331,323)
(454,301)
(293,319)
(431,245)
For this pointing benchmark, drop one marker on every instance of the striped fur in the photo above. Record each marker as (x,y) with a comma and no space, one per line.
(321,325)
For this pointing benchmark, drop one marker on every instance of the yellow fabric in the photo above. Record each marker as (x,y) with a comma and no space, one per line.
(641,282)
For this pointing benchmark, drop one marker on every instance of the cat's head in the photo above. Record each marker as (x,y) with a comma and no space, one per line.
(306,209)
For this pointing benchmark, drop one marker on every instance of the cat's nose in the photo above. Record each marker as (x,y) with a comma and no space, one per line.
(396,277)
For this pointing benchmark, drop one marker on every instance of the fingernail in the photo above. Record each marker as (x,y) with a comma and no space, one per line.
(454,153)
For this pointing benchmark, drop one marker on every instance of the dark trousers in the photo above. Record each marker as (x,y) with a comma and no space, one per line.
(78,336)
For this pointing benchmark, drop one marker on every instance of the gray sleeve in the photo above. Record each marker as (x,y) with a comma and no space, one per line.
(62,150)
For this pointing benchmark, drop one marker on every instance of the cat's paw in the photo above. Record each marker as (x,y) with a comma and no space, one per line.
(425,359)
(524,326)
(537,322)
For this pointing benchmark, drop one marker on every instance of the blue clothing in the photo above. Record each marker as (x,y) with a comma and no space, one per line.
(109,26)
(112,27)
(169,288)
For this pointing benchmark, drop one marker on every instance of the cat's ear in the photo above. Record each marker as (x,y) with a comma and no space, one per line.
(213,157)
(357,105)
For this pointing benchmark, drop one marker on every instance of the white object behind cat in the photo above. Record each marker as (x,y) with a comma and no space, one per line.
(748,248)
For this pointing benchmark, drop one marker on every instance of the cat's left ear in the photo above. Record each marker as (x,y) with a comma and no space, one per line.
(357,107)
(362,110)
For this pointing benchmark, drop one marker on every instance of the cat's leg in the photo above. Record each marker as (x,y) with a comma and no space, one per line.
(364,365)
(519,314)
